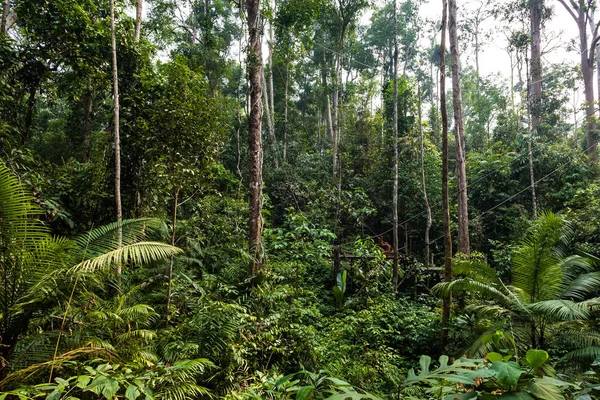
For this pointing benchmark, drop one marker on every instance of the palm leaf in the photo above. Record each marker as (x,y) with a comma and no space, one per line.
(136,253)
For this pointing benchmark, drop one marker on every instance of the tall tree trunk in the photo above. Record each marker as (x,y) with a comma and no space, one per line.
(255,153)
(335,118)
(461,172)
(285,115)
(587,69)
(535,90)
(172,260)
(117,139)
(445,198)
(424,182)
(271,87)
(270,125)
(138,19)
(395,189)
(581,14)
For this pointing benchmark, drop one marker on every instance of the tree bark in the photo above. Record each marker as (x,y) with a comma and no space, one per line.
(535,89)
(270,124)
(445,197)
(138,19)
(461,174)
(255,153)
(424,182)
(117,139)
(285,115)
(395,189)
(581,14)
(4,20)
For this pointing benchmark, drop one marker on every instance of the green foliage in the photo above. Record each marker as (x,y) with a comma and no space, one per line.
(123,381)
(548,288)
(487,379)
(302,385)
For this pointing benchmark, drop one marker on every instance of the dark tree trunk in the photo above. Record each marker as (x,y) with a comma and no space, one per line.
(255,152)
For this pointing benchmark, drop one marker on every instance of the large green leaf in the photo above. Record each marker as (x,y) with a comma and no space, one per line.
(545,390)
(535,358)
(508,373)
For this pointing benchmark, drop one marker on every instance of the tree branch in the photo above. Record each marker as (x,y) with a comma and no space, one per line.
(569,9)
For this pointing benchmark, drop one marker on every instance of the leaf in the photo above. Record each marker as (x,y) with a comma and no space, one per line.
(132,393)
(110,388)
(304,393)
(54,395)
(508,373)
(494,357)
(535,358)
(425,363)
(83,381)
(545,390)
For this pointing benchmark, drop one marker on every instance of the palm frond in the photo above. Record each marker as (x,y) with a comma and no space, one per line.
(536,266)
(136,253)
(561,310)
(105,238)
(582,286)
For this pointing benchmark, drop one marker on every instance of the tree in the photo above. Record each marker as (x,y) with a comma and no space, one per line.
(581,11)
(445,198)
(138,19)
(255,153)
(395,121)
(535,88)
(459,131)
(116,122)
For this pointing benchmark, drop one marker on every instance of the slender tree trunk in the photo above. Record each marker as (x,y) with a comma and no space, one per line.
(461,171)
(335,119)
(328,105)
(138,19)
(445,198)
(535,90)
(117,138)
(285,116)
(170,279)
(271,87)
(587,69)
(270,126)
(4,20)
(592,26)
(424,182)
(395,193)
(255,153)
